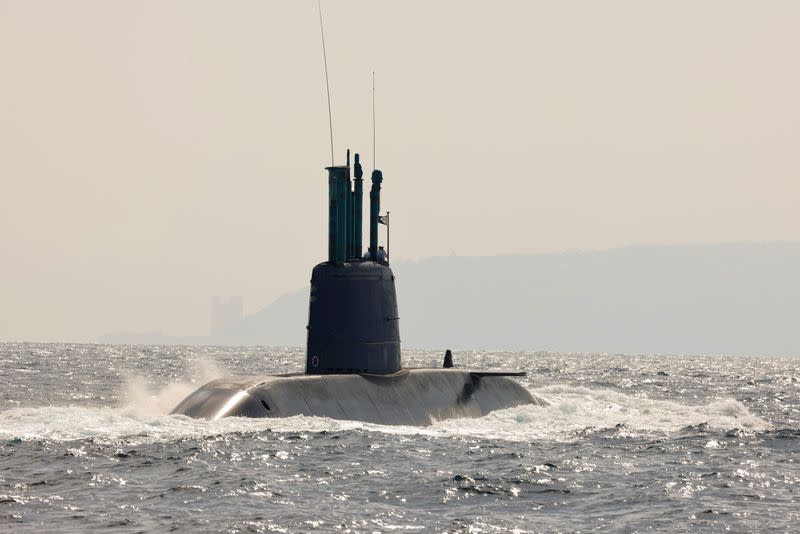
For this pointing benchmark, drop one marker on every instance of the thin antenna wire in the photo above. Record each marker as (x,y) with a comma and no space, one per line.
(374,157)
(327,85)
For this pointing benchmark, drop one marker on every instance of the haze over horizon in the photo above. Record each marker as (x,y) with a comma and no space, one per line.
(157,153)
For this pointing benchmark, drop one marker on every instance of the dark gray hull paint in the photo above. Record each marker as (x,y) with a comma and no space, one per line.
(408,397)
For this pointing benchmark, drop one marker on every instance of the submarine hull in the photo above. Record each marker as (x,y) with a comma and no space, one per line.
(409,397)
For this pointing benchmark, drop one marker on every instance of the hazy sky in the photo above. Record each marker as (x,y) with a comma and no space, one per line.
(155,153)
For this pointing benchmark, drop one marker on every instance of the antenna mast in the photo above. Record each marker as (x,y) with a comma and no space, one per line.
(374,157)
(327,84)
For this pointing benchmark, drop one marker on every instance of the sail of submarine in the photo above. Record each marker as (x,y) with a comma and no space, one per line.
(353,368)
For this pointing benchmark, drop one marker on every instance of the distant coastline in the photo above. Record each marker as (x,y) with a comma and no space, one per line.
(733,299)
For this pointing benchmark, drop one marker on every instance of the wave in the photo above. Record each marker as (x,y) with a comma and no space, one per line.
(572,413)
(575,411)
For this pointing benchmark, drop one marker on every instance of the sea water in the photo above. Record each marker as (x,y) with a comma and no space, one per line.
(625,443)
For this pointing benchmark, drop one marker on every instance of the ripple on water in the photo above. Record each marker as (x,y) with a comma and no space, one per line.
(624,443)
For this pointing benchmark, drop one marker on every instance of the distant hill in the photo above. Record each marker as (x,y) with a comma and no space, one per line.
(735,299)
(724,299)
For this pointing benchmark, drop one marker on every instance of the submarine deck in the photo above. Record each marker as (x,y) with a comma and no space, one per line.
(409,397)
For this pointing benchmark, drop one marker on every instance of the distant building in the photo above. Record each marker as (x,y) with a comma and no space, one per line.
(225,313)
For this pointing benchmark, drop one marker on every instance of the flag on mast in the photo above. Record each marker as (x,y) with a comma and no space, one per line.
(384,219)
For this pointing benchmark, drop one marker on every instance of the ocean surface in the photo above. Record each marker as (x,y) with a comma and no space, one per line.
(627,443)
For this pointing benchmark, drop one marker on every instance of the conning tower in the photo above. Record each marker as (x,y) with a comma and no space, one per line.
(353,324)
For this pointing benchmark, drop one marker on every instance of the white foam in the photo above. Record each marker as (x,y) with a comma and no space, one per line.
(141,398)
(571,412)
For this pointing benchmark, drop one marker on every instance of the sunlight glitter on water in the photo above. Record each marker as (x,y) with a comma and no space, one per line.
(624,443)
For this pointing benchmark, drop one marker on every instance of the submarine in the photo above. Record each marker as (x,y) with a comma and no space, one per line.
(353,367)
